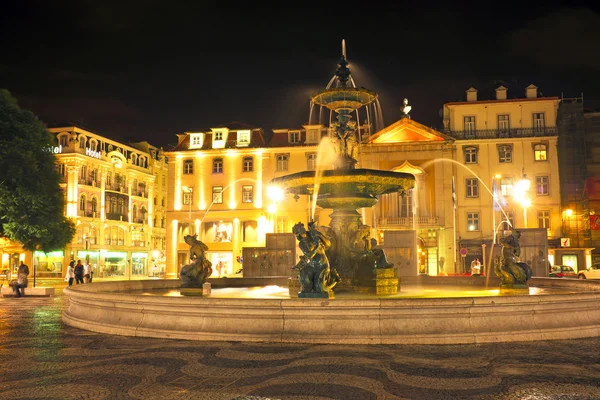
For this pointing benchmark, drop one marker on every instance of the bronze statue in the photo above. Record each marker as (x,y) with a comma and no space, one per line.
(315,274)
(511,273)
(199,269)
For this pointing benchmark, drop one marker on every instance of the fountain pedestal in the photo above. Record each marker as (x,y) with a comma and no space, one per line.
(203,290)
(379,281)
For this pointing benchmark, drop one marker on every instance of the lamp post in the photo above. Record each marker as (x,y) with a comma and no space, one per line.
(494,203)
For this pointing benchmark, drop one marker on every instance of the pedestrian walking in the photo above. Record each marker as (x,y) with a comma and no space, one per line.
(78,272)
(87,272)
(70,273)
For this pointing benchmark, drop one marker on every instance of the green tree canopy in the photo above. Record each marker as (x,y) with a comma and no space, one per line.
(31,200)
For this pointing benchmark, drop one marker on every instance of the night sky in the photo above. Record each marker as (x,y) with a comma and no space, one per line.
(146,70)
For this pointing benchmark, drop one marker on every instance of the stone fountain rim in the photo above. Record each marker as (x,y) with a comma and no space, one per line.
(106,307)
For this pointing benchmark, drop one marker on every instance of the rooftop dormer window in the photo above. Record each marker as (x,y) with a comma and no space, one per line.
(196,140)
(312,136)
(219,138)
(294,137)
(243,138)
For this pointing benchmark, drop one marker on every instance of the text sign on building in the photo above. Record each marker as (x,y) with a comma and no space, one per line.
(55,149)
(565,242)
(92,153)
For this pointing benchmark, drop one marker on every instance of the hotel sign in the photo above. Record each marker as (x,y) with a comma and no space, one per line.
(92,153)
(55,149)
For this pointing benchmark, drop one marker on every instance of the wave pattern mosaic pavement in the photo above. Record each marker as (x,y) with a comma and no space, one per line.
(41,358)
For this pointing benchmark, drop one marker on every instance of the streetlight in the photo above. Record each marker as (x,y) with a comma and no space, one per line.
(520,195)
(494,203)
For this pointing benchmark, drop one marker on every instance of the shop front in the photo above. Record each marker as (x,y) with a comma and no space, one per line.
(114,264)
(139,264)
(222,263)
(48,265)
(93,257)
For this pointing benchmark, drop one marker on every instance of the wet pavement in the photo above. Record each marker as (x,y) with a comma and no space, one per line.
(42,358)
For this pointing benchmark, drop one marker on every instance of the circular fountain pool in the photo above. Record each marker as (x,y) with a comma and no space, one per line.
(426,312)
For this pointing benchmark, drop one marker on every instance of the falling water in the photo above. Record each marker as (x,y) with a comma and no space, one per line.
(326,157)
(495,198)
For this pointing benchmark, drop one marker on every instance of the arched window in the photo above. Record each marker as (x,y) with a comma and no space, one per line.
(113,205)
(114,235)
(282,162)
(134,212)
(82,142)
(94,206)
(82,202)
(247,164)
(134,159)
(121,206)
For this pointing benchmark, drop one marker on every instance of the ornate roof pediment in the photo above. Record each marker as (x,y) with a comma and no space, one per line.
(407,130)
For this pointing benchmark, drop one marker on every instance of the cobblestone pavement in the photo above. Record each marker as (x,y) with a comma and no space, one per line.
(41,358)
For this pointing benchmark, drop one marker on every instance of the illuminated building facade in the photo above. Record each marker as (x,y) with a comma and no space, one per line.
(116,195)
(218,190)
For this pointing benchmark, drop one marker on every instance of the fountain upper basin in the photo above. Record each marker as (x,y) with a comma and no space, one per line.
(346,188)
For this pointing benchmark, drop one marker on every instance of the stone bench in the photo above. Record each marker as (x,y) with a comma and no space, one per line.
(7,291)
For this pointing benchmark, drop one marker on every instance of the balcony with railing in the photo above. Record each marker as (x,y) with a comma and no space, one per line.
(504,133)
(116,216)
(407,222)
(88,213)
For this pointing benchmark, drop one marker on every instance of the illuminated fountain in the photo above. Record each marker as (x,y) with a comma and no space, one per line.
(352,256)
(438,310)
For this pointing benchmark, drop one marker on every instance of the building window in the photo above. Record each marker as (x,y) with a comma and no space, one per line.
(282,162)
(82,142)
(540,152)
(469,124)
(503,124)
(94,206)
(188,167)
(505,153)
(218,166)
(544,219)
(134,213)
(539,122)
(312,135)
(406,204)
(247,192)
(471,155)
(506,186)
(247,164)
(218,135)
(541,182)
(63,141)
(188,196)
(121,209)
(473,221)
(196,140)
(217,194)
(311,161)
(243,138)
(472,187)
(294,137)
(82,203)
(511,218)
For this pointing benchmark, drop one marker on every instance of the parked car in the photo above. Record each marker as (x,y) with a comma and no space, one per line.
(562,271)
(592,272)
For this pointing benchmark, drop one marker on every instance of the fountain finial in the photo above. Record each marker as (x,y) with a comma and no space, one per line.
(342,72)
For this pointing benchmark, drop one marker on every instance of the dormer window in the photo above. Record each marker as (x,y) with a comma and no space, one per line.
(196,140)
(243,138)
(219,138)
(218,135)
(312,136)
(294,137)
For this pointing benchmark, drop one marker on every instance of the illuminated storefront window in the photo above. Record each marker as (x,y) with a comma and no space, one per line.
(218,231)
(222,263)
(115,263)
(49,265)
(139,264)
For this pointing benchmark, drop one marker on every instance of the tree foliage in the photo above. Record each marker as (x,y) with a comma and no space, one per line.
(31,200)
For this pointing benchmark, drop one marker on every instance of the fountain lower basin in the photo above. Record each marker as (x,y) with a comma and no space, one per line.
(122,308)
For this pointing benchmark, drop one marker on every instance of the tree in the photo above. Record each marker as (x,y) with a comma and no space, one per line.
(31,200)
